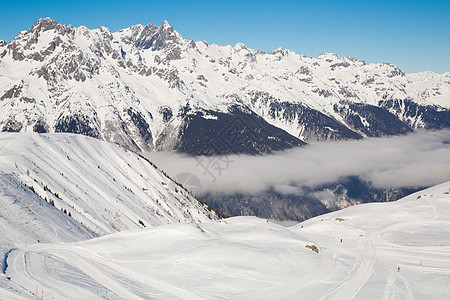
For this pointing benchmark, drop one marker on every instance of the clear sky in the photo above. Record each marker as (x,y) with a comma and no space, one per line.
(414,35)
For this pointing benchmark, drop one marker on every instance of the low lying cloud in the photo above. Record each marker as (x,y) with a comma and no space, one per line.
(420,159)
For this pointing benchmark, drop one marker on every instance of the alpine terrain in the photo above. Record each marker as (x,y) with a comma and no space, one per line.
(148,88)
(65,188)
(86,214)
(396,250)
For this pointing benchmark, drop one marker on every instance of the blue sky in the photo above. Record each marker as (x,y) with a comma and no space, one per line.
(415,35)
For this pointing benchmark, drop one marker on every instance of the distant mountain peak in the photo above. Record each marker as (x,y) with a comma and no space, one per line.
(45,20)
(45,24)
(329,56)
(165,25)
(240,46)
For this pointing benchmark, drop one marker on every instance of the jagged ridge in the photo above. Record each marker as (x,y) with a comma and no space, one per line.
(142,86)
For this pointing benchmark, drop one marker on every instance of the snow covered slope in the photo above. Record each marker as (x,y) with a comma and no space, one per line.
(58,188)
(27,219)
(146,87)
(397,250)
(97,184)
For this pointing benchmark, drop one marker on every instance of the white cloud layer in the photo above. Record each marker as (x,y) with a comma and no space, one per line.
(419,159)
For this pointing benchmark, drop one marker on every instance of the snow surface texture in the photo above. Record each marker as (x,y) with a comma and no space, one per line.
(398,250)
(134,87)
(58,188)
(101,185)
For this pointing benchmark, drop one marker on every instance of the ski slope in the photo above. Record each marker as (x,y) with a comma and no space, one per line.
(251,258)
(64,188)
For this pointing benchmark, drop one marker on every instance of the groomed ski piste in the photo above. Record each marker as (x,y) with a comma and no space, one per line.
(396,250)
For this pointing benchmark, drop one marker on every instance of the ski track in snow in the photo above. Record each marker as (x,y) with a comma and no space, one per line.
(249,258)
(102,186)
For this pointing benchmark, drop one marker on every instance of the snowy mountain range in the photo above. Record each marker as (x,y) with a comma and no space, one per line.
(146,87)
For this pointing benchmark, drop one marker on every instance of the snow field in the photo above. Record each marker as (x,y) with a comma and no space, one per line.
(251,258)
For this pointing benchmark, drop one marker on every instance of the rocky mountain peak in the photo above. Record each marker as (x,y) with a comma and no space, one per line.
(165,25)
(48,24)
(39,41)
(331,56)
(45,24)
(165,36)
(240,46)
(140,35)
(151,36)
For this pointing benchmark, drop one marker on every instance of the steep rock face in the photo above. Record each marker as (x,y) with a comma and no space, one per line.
(371,120)
(132,87)
(417,115)
(237,131)
(314,125)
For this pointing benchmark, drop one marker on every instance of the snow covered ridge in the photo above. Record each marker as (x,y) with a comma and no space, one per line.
(59,188)
(146,87)
(97,185)
(397,250)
